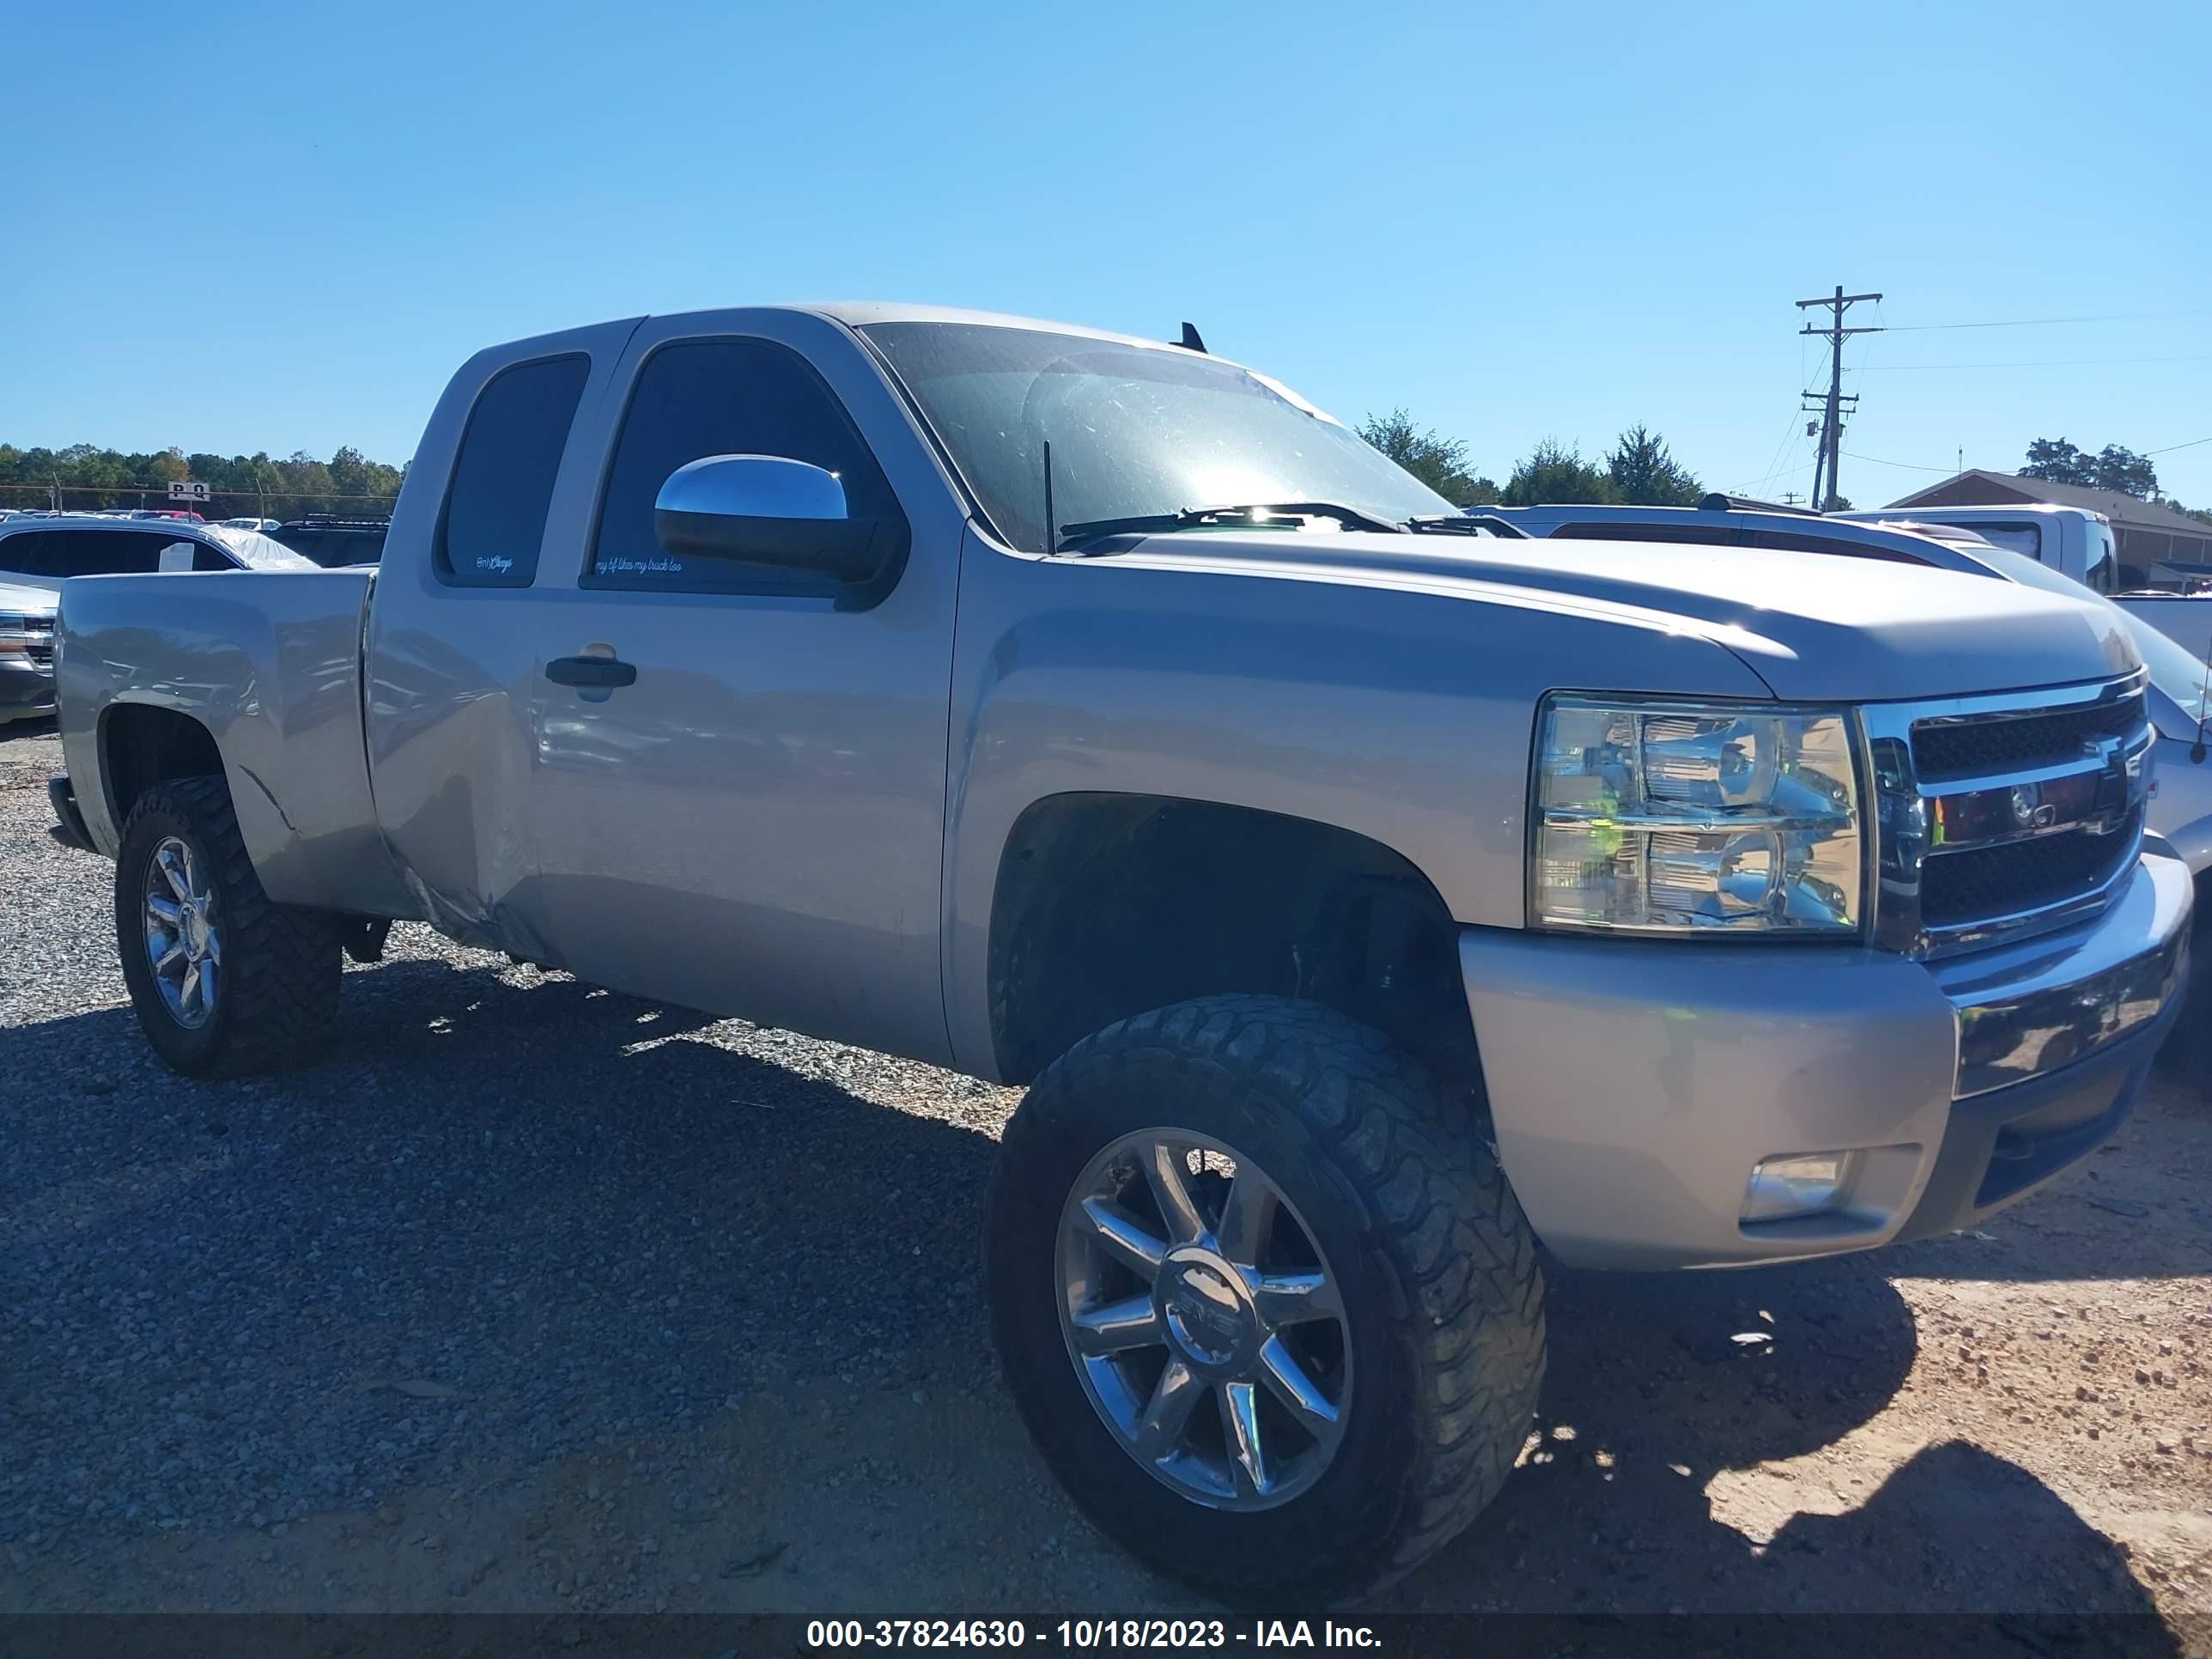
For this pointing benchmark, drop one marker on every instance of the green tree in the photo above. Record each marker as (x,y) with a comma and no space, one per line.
(305,475)
(2125,471)
(90,477)
(1437,461)
(2056,461)
(1644,474)
(2114,467)
(1557,472)
(349,471)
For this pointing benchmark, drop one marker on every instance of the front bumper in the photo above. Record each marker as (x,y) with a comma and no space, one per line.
(1634,1083)
(26,690)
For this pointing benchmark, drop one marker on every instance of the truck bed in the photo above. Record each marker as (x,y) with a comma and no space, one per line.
(268,665)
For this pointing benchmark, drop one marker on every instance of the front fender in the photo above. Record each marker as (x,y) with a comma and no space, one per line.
(1403,716)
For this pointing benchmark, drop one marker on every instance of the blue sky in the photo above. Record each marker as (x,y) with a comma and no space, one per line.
(244,225)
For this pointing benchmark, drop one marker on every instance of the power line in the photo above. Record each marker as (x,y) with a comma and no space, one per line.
(2046,322)
(2046,362)
(1774,468)
(1907,466)
(1912,466)
(1774,461)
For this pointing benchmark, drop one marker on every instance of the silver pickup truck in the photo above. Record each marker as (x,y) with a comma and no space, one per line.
(1363,901)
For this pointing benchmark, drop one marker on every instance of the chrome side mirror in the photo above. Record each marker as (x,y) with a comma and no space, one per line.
(770,510)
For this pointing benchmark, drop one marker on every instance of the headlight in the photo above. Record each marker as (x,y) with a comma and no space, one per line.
(1667,816)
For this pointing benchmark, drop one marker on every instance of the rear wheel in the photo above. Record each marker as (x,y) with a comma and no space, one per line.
(1268,1310)
(222,979)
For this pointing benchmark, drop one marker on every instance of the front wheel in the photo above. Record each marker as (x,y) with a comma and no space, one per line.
(222,979)
(1269,1310)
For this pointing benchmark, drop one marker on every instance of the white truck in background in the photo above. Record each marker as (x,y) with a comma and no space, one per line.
(2077,543)
(2071,540)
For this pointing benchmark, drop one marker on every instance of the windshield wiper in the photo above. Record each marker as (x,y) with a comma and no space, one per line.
(1256,513)
(1464,524)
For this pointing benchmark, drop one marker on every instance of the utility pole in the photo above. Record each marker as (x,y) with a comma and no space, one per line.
(1832,421)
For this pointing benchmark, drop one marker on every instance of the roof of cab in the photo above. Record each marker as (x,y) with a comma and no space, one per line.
(851,314)
(860,313)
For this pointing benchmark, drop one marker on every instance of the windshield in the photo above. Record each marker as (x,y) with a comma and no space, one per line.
(255,550)
(1133,430)
(2174,670)
(2104,565)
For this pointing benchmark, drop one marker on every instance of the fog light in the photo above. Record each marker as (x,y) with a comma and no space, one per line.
(1805,1183)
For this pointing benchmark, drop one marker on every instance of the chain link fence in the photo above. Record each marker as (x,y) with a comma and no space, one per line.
(219,503)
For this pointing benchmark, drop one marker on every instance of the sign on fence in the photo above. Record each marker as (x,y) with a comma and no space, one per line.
(192,491)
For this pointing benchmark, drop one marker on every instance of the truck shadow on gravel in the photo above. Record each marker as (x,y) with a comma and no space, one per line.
(505,1221)
(1662,1391)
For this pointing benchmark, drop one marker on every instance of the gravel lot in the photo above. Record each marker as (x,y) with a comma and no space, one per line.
(531,1298)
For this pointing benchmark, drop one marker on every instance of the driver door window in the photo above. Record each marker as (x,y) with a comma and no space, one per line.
(701,397)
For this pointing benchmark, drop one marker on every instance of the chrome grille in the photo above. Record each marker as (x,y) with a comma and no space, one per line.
(2018,874)
(1943,750)
(2003,816)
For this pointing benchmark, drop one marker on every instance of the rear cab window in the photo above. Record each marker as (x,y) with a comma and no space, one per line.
(59,554)
(2022,538)
(503,485)
(1598,530)
(1802,541)
(2104,569)
(25,552)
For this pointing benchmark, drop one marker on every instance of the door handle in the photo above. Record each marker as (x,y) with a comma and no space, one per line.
(590,671)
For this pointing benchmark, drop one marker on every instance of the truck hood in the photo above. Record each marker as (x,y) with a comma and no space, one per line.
(1814,626)
(27,601)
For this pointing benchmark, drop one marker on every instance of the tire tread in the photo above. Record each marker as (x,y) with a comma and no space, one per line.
(1465,1300)
(282,964)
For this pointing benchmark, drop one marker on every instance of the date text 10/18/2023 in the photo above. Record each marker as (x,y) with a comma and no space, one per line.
(1087,1633)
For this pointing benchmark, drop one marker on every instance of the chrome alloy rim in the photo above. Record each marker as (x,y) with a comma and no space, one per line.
(1207,1326)
(183,943)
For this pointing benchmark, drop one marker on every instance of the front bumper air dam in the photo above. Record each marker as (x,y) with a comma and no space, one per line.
(1634,1084)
